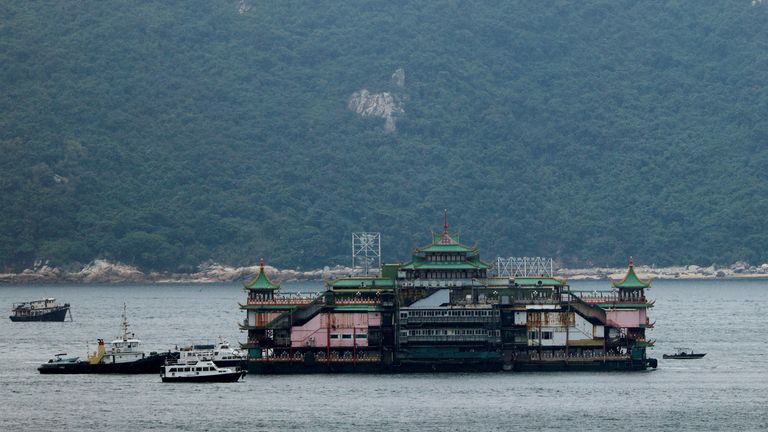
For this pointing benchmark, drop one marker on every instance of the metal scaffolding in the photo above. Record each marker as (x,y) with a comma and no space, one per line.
(524,266)
(366,251)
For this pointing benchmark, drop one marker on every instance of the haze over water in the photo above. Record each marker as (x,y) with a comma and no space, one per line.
(726,390)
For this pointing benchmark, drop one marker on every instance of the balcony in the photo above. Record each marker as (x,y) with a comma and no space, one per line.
(598,297)
(284,299)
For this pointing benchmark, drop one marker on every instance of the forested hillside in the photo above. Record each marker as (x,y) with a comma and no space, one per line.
(165,134)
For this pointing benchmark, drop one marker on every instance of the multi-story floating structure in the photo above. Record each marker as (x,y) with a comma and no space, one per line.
(442,310)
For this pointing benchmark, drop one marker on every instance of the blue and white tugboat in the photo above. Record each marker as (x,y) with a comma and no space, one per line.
(40,310)
(199,371)
(123,356)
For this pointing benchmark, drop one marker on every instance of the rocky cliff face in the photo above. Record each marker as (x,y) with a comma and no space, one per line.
(103,271)
(386,105)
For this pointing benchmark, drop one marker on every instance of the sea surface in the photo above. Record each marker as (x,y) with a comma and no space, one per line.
(726,390)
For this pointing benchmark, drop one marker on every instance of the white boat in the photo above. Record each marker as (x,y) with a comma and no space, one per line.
(221,354)
(199,371)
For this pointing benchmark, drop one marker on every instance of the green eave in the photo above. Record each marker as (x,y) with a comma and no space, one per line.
(534,281)
(270,306)
(362,283)
(357,308)
(608,306)
(632,281)
(261,282)
(446,248)
(444,265)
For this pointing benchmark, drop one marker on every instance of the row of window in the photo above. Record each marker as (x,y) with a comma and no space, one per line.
(449,313)
(192,369)
(459,274)
(544,335)
(445,258)
(348,336)
(449,332)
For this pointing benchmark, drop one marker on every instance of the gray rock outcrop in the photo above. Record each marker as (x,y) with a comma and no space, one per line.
(398,78)
(384,105)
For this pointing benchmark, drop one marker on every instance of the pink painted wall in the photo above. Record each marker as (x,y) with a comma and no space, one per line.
(631,318)
(315,332)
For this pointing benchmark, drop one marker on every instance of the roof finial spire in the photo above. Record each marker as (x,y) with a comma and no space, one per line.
(261,265)
(445,221)
(631,261)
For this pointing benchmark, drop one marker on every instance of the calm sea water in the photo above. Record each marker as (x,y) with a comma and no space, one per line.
(727,390)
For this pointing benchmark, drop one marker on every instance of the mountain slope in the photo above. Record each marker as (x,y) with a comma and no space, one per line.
(165,134)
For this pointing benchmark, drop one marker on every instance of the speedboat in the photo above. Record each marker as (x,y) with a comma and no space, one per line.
(684,354)
(199,371)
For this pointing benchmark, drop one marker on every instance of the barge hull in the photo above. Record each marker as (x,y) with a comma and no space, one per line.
(147,365)
(286,368)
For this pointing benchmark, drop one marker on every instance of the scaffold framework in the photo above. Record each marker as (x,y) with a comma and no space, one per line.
(366,251)
(524,266)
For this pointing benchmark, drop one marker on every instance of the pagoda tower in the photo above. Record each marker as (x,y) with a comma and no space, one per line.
(632,288)
(261,309)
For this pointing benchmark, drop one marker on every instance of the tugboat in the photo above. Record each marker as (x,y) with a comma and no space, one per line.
(199,371)
(684,354)
(123,356)
(221,354)
(40,310)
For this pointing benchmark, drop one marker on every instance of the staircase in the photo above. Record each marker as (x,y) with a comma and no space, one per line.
(298,316)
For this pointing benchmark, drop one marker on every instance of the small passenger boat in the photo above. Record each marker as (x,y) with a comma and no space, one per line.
(199,371)
(40,310)
(684,354)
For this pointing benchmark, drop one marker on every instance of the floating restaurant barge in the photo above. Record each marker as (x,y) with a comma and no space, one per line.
(443,311)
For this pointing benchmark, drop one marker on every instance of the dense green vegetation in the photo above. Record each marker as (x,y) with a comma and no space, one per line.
(165,134)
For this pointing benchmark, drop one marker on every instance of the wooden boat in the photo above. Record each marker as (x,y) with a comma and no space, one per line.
(684,354)
(40,310)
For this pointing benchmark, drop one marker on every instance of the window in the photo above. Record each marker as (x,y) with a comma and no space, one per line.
(346,336)
(361,336)
(334,336)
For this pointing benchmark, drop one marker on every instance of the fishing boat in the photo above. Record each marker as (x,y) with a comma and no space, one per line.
(123,356)
(684,354)
(40,310)
(199,371)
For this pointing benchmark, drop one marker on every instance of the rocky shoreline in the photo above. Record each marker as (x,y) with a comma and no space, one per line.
(102,271)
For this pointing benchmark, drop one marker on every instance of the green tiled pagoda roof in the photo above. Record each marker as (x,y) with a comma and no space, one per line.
(445,243)
(359,282)
(631,280)
(446,248)
(261,282)
(420,263)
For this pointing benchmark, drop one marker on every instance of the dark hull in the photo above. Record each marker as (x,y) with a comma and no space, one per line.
(270,368)
(683,356)
(57,315)
(147,365)
(222,377)
(239,364)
